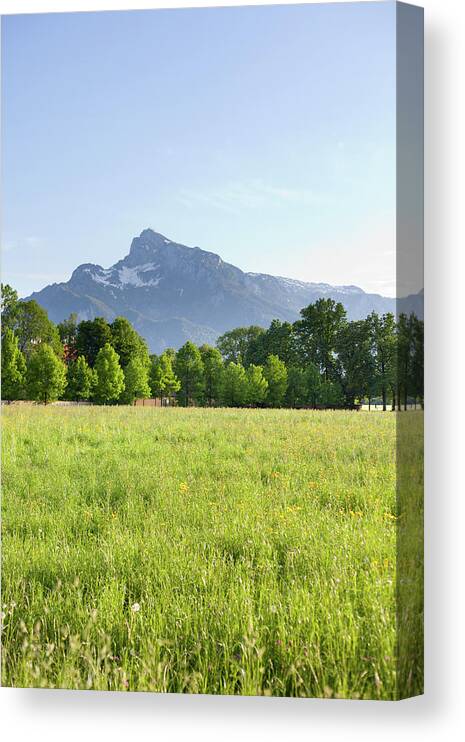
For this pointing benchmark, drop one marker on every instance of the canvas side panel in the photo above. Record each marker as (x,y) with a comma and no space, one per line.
(409,301)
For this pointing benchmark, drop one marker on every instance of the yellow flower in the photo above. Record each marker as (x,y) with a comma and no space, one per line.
(184,487)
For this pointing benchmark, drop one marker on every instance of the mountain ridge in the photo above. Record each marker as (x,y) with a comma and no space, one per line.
(172,292)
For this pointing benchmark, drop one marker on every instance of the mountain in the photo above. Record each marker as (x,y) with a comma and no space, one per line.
(172,293)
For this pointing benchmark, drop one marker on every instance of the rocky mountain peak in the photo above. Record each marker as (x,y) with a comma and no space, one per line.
(148,242)
(172,293)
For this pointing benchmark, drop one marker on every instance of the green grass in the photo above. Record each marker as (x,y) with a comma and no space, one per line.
(259,545)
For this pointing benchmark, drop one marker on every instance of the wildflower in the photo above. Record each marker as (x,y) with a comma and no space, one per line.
(135,608)
(183,487)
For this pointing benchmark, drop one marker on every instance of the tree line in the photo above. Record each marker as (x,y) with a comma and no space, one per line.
(321,360)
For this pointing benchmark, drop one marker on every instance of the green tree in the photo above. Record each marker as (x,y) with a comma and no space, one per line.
(276,375)
(127,342)
(278,340)
(384,351)
(317,333)
(189,370)
(234,386)
(257,385)
(404,359)
(163,381)
(136,381)
(313,383)
(156,377)
(297,387)
(46,374)
(9,307)
(171,354)
(67,331)
(34,328)
(81,380)
(331,394)
(109,375)
(354,347)
(171,381)
(92,335)
(13,367)
(213,371)
(233,345)
(417,364)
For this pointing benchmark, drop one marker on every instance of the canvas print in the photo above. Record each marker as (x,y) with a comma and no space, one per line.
(212,351)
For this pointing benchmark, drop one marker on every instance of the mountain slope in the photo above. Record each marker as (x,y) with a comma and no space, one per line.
(172,293)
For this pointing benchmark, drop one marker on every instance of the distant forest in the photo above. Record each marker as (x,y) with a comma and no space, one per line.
(320,361)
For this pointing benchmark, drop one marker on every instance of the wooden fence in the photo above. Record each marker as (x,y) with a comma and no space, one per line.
(155,402)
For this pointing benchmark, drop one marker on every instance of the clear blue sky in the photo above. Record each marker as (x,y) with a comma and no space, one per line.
(265,134)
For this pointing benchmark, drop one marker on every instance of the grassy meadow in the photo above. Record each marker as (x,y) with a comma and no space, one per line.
(200,550)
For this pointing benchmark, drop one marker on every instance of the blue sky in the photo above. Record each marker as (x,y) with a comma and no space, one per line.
(265,134)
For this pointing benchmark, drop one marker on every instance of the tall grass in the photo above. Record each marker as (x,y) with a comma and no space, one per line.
(205,551)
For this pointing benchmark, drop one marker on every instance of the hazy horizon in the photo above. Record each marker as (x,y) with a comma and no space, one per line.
(265,134)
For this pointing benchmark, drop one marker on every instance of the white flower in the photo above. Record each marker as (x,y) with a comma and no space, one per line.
(135,607)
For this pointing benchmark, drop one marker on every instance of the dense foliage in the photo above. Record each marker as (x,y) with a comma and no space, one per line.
(322,360)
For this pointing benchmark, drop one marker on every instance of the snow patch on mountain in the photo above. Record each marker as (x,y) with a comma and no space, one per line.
(121,277)
(101,276)
(131,276)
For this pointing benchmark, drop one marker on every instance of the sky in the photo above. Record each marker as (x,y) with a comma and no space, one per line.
(264,134)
